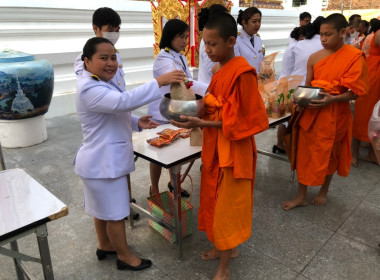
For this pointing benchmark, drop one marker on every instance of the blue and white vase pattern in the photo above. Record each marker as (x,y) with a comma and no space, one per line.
(26,85)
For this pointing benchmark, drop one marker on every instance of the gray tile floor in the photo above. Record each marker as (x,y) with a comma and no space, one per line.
(337,241)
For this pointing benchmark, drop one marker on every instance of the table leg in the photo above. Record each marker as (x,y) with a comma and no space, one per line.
(43,246)
(19,272)
(131,222)
(177,208)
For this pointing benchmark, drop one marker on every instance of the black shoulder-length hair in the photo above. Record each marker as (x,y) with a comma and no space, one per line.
(172,28)
(90,47)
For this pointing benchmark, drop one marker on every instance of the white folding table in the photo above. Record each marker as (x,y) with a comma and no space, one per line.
(25,208)
(173,156)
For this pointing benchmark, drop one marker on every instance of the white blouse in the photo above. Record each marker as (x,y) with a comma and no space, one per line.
(302,51)
(288,60)
(205,65)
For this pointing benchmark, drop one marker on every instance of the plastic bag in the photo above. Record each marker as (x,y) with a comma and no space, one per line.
(374,130)
(267,72)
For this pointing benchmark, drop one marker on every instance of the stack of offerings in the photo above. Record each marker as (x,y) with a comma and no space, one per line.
(277,95)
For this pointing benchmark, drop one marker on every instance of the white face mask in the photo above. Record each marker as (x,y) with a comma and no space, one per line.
(112,36)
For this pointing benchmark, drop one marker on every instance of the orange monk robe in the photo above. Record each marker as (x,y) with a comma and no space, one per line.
(229,154)
(324,140)
(364,105)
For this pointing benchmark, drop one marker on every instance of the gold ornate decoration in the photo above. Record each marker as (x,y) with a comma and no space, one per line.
(186,11)
(263,4)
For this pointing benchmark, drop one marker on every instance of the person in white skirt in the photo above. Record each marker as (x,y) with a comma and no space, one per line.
(105,156)
(248,43)
(174,40)
(106,23)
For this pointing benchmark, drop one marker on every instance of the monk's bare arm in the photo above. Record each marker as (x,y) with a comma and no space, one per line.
(192,122)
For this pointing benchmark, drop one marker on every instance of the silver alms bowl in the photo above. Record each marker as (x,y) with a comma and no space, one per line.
(303,95)
(172,109)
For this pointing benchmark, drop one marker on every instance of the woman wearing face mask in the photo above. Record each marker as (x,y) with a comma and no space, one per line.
(174,39)
(105,156)
(248,43)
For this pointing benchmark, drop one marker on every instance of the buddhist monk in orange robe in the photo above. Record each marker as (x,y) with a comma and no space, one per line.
(234,113)
(364,105)
(324,140)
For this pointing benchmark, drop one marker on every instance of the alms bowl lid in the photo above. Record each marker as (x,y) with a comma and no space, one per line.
(8,56)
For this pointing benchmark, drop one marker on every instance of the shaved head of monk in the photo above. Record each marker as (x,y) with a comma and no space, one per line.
(219,35)
(338,21)
(332,32)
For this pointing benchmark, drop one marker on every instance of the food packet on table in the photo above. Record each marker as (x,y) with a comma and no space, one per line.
(182,91)
(158,141)
(374,130)
(169,133)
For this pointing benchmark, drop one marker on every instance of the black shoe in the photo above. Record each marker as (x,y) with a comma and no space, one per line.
(184,193)
(143,265)
(277,148)
(101,254)
(136,216)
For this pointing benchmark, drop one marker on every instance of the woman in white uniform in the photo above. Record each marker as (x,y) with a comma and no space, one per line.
(248,43)
(105,156)
(205,63)
(174,40)
(305,48)
(288,59)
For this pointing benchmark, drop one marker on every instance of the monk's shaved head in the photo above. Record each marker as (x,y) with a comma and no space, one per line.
(337,20)
(224,23)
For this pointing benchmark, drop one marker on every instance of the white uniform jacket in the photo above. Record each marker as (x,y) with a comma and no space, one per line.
(302,51)
(118,80)
(104,113)
(166,62)
(205,65)
(244,48)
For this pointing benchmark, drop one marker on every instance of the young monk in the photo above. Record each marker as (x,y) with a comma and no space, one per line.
(324,141)
(234,113)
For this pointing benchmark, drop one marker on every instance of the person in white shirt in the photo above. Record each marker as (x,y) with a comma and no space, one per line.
(174,40)
(205,63)
(288,58)
(349,31)
(105,156)
(303,49)
(305,19)
(248,43)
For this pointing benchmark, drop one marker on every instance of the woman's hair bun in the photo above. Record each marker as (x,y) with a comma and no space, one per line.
(240,17)
(202,18)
